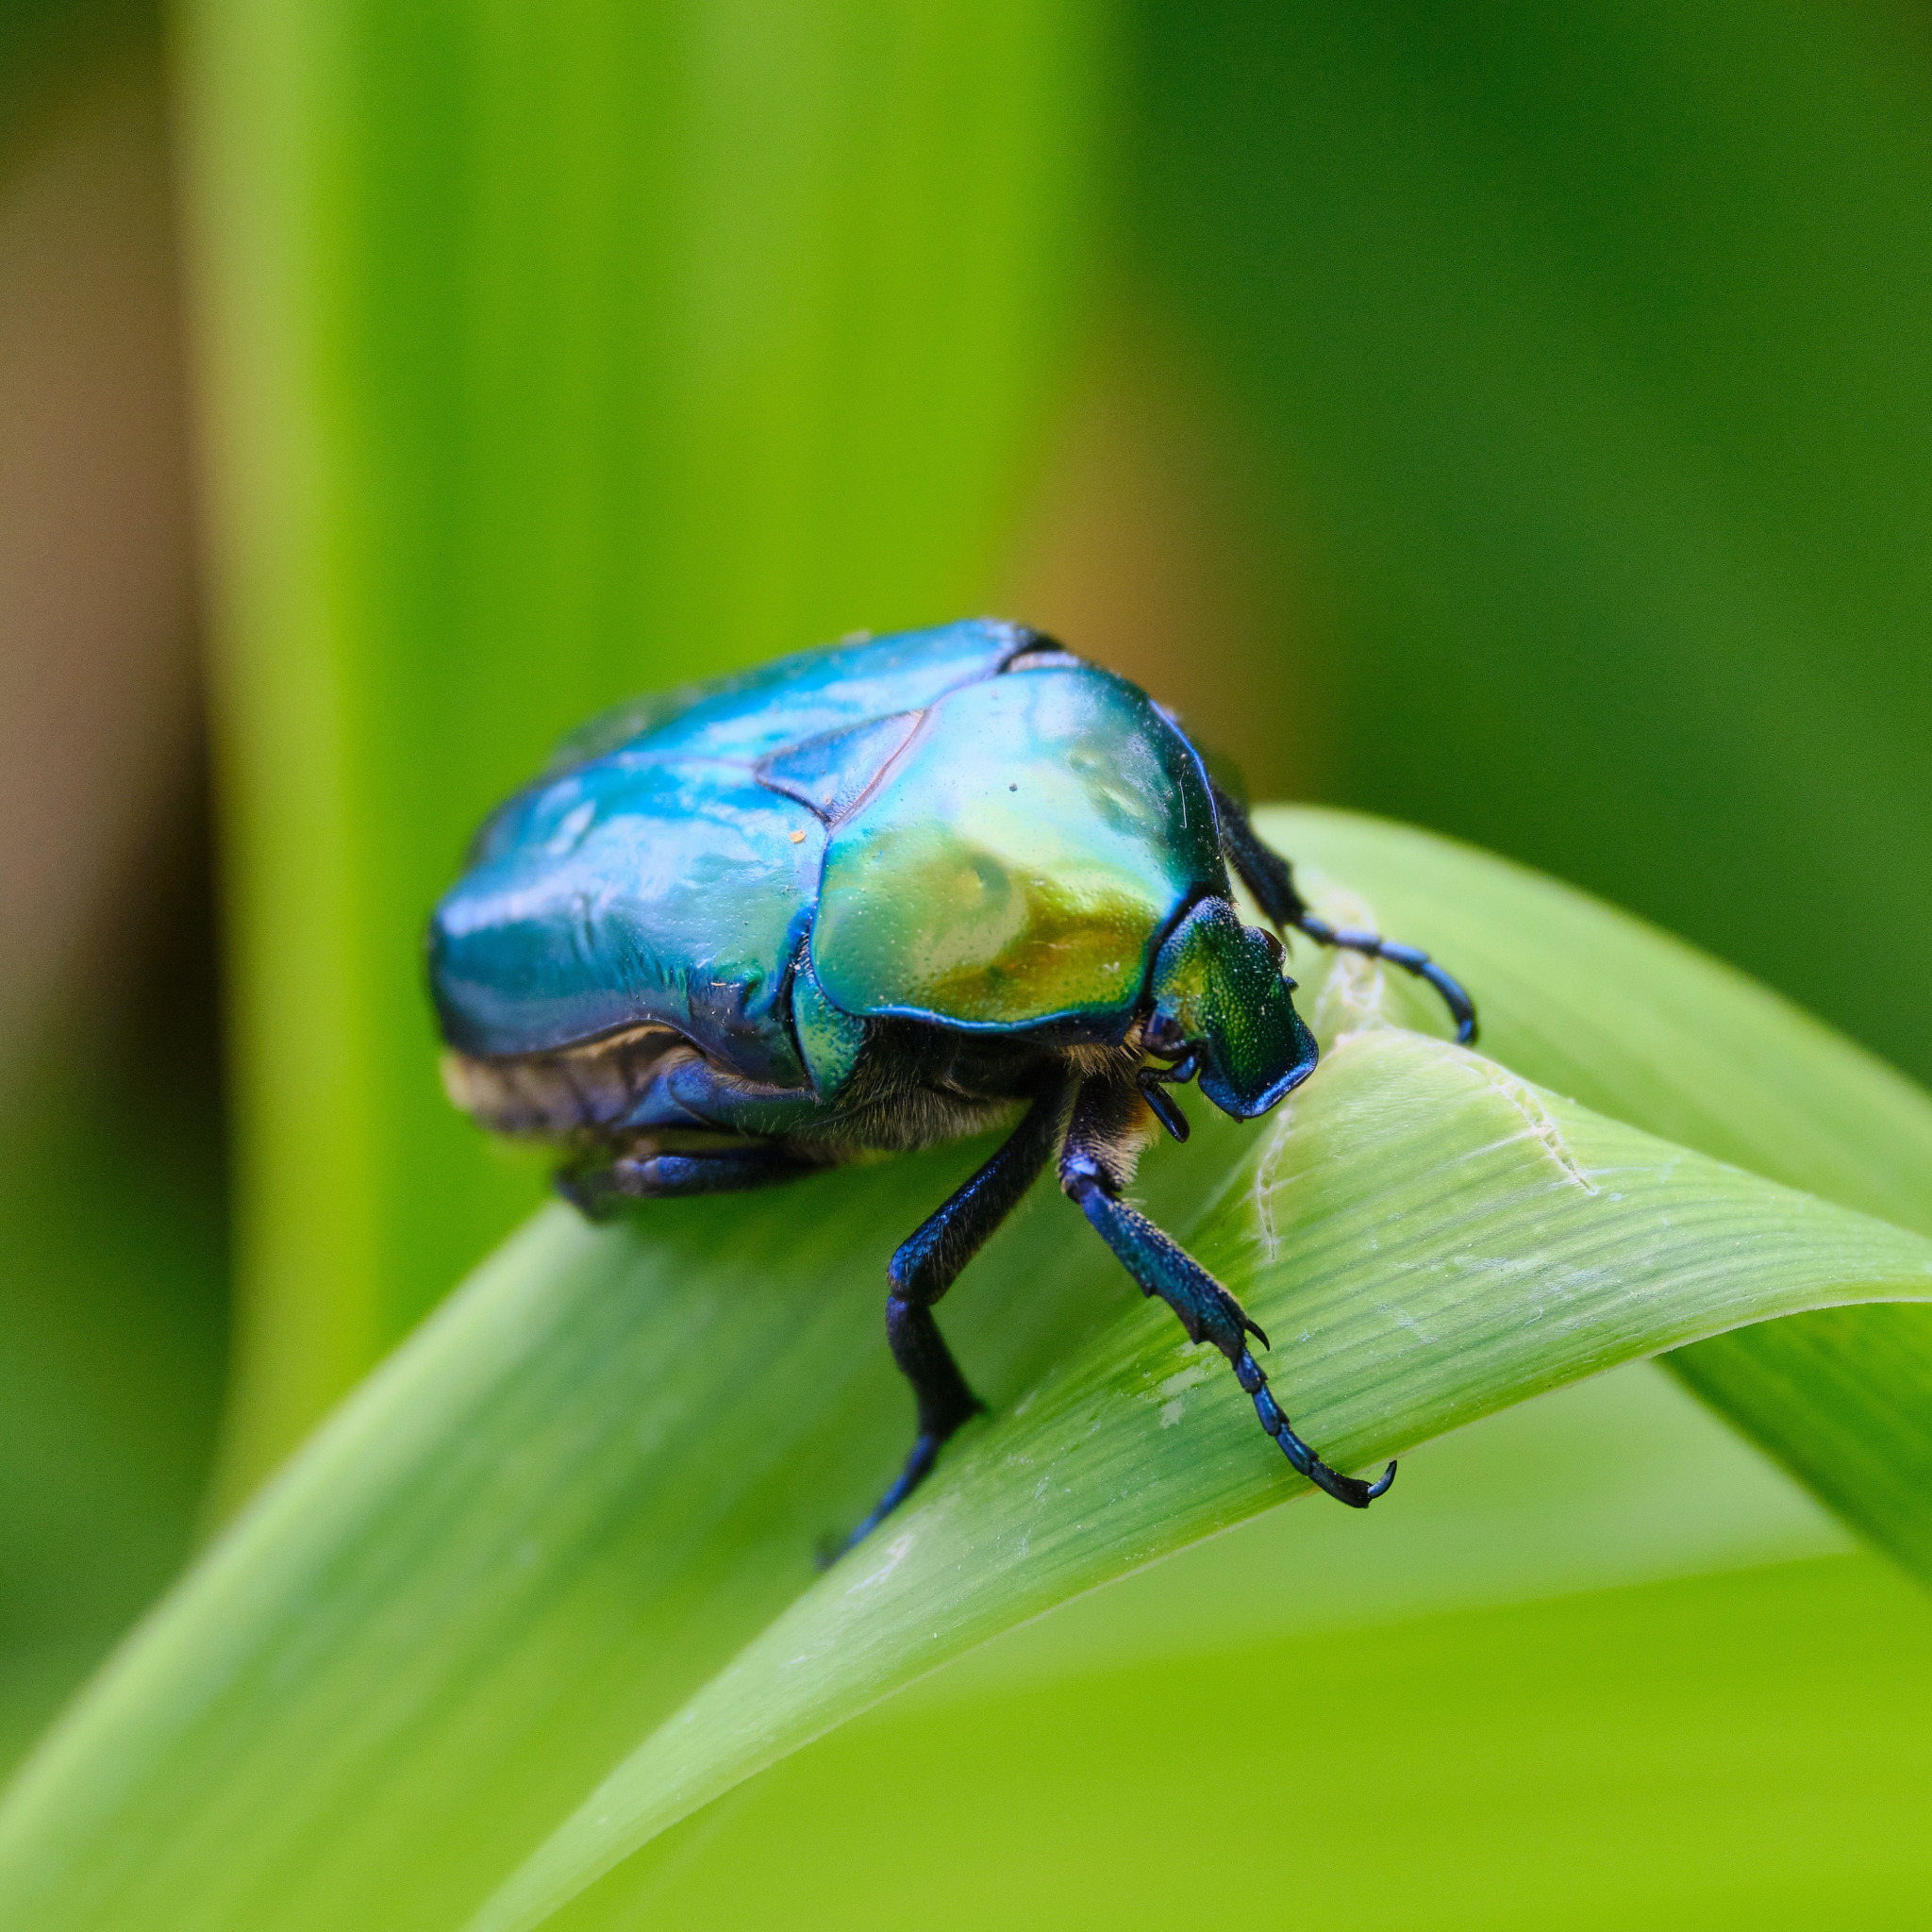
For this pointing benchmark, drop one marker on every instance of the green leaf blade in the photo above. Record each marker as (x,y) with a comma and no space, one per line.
(1580,996)
(1596,1003)
(597,1475)
(1428,1238)
(572,1495)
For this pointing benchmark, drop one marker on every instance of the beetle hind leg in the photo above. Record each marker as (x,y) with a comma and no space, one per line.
(1093,1173)
(925,1265)
(600,1186)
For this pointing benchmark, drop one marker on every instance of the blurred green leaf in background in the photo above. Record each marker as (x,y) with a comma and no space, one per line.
(552,357)
(1586,351)
(1513,421)
(113,1232)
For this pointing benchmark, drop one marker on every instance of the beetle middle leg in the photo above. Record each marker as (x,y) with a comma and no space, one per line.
(928,1262)
(1271,879)
(1096,1164)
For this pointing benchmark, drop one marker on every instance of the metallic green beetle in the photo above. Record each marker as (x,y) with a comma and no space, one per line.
(877,897)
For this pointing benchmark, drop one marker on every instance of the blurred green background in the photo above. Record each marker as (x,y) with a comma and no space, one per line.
(1514,420)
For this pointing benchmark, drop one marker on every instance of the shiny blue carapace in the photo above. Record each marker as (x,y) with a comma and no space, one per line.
(870,897)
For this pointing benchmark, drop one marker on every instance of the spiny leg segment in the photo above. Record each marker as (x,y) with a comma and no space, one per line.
(1095,1163)
(1271,879)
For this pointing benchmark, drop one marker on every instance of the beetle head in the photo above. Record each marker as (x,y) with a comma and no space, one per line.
(1220,993)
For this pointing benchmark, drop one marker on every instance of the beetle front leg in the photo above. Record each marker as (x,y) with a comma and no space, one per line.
(1093,1168)
(927,1264)
(1411,959)
(1271,879)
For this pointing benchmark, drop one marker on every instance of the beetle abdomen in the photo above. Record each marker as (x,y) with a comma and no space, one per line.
(593,1086)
